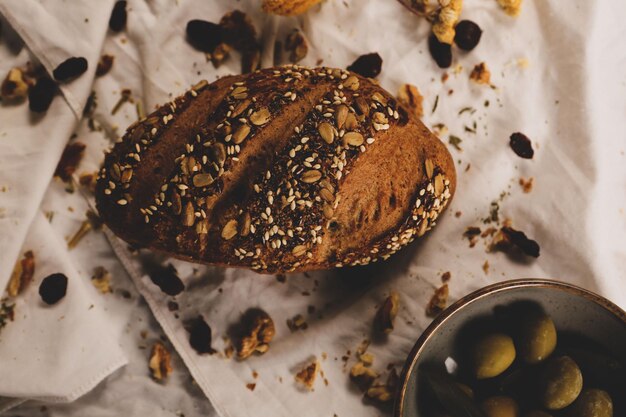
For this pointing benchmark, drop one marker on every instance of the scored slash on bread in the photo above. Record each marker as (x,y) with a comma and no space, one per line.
(285,169)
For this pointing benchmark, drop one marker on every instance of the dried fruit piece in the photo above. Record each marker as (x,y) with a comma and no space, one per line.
(117,22)
(306,376)
(71,157)
(441,52)
(14,86)
(104,65)
(521,145)
(511,7)
(288,7)
(519,239)
(438,301)
(386,313)
(257,332)
(409,96)
(160,362)
(368,65)
(203,35)
(480,74)
(41,94)
(22,274)
(297,46)
(200,336)
(53,288)
(445,20)
(166,278)
(70,69)
(467,35)
(101,279)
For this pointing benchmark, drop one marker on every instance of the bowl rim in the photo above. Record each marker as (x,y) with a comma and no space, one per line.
(479,294)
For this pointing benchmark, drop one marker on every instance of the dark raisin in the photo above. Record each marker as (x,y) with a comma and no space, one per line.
(523,242)
(441,52)
(368,65)
(104,65)
(167,280)
(41,94)
(467,35)
(53,288)
(200,336)
(71,157)
(521,145)
(117,22)
(70,69)
(203,35)
(238,30)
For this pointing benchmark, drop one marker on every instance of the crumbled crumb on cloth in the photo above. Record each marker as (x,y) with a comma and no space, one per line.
(307,375)
(410,97)
(160,362)
(438,302)
(481,74)
(101,279)
(386,313)
(526,184)
(511,7)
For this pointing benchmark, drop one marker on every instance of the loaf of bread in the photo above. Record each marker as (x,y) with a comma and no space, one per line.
(285,169)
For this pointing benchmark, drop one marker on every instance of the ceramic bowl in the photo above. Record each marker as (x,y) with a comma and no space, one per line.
(575,311)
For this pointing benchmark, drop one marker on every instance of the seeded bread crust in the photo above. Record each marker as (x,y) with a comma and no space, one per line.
(285,169)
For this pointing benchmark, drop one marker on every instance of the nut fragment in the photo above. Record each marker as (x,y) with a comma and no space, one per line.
(244,224)
(306,376)
(288,7)
(296,44)
(340,115)
(230,229)
(218,153)
(160,362)
(241,133)
(511,7)
(22,274)
(328,211)
(326,132)
(438,185)
(258,332)
(353,139)
(176,203)
(189,215)
(387,312)
(438,301)
(380,393)
(14,86)
(101,279)
(327,195)
(202,180)
(410,97)
(480,74)
(260,117)
(430,168)
(362,375)
(446,19)
(311,176)
(299,250)
(351,122)
(352,83)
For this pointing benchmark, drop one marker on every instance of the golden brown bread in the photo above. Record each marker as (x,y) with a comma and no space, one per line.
(285,169)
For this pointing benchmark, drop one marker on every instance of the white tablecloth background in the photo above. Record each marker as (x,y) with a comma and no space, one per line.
(569,101)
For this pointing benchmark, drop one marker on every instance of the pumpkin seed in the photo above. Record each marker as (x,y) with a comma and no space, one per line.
(353,138)
(127,175)
(326,132)
(299,250)
(311,176)
(244,225)
(430,167)
(352,82)
(241,133)
(260,117)
(240,93)
(230,229)
(202,180)
(351,122)
(340,115)
(200,85)
(325,183)
(327,195)
(423,227)
(189,217)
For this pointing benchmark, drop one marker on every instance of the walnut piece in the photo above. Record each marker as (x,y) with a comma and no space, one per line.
(409,96)
(362,375)
(446,19)
(306,376)
(259,331)
(22,274)
(511,7)
(101,279)
(387,312)
(384,392)
(160,362)
(297,46)
(15,85)
(438,302)
(288,7)
(480,74)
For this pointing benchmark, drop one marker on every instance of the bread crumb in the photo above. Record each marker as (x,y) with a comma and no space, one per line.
(306,376)
(251,386)
(410,97)
(526,184)
(511,7)
(480,74)
(486,267)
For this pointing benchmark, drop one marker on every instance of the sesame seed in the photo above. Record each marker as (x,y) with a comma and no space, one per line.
(122,202)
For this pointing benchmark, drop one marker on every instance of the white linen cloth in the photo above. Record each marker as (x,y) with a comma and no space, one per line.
(569,101)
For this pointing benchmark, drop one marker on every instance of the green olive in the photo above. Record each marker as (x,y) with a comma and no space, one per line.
(563,381)
(537,338)
(537,414)
(466,390)
(500,407)
(592,403)
(492,355)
